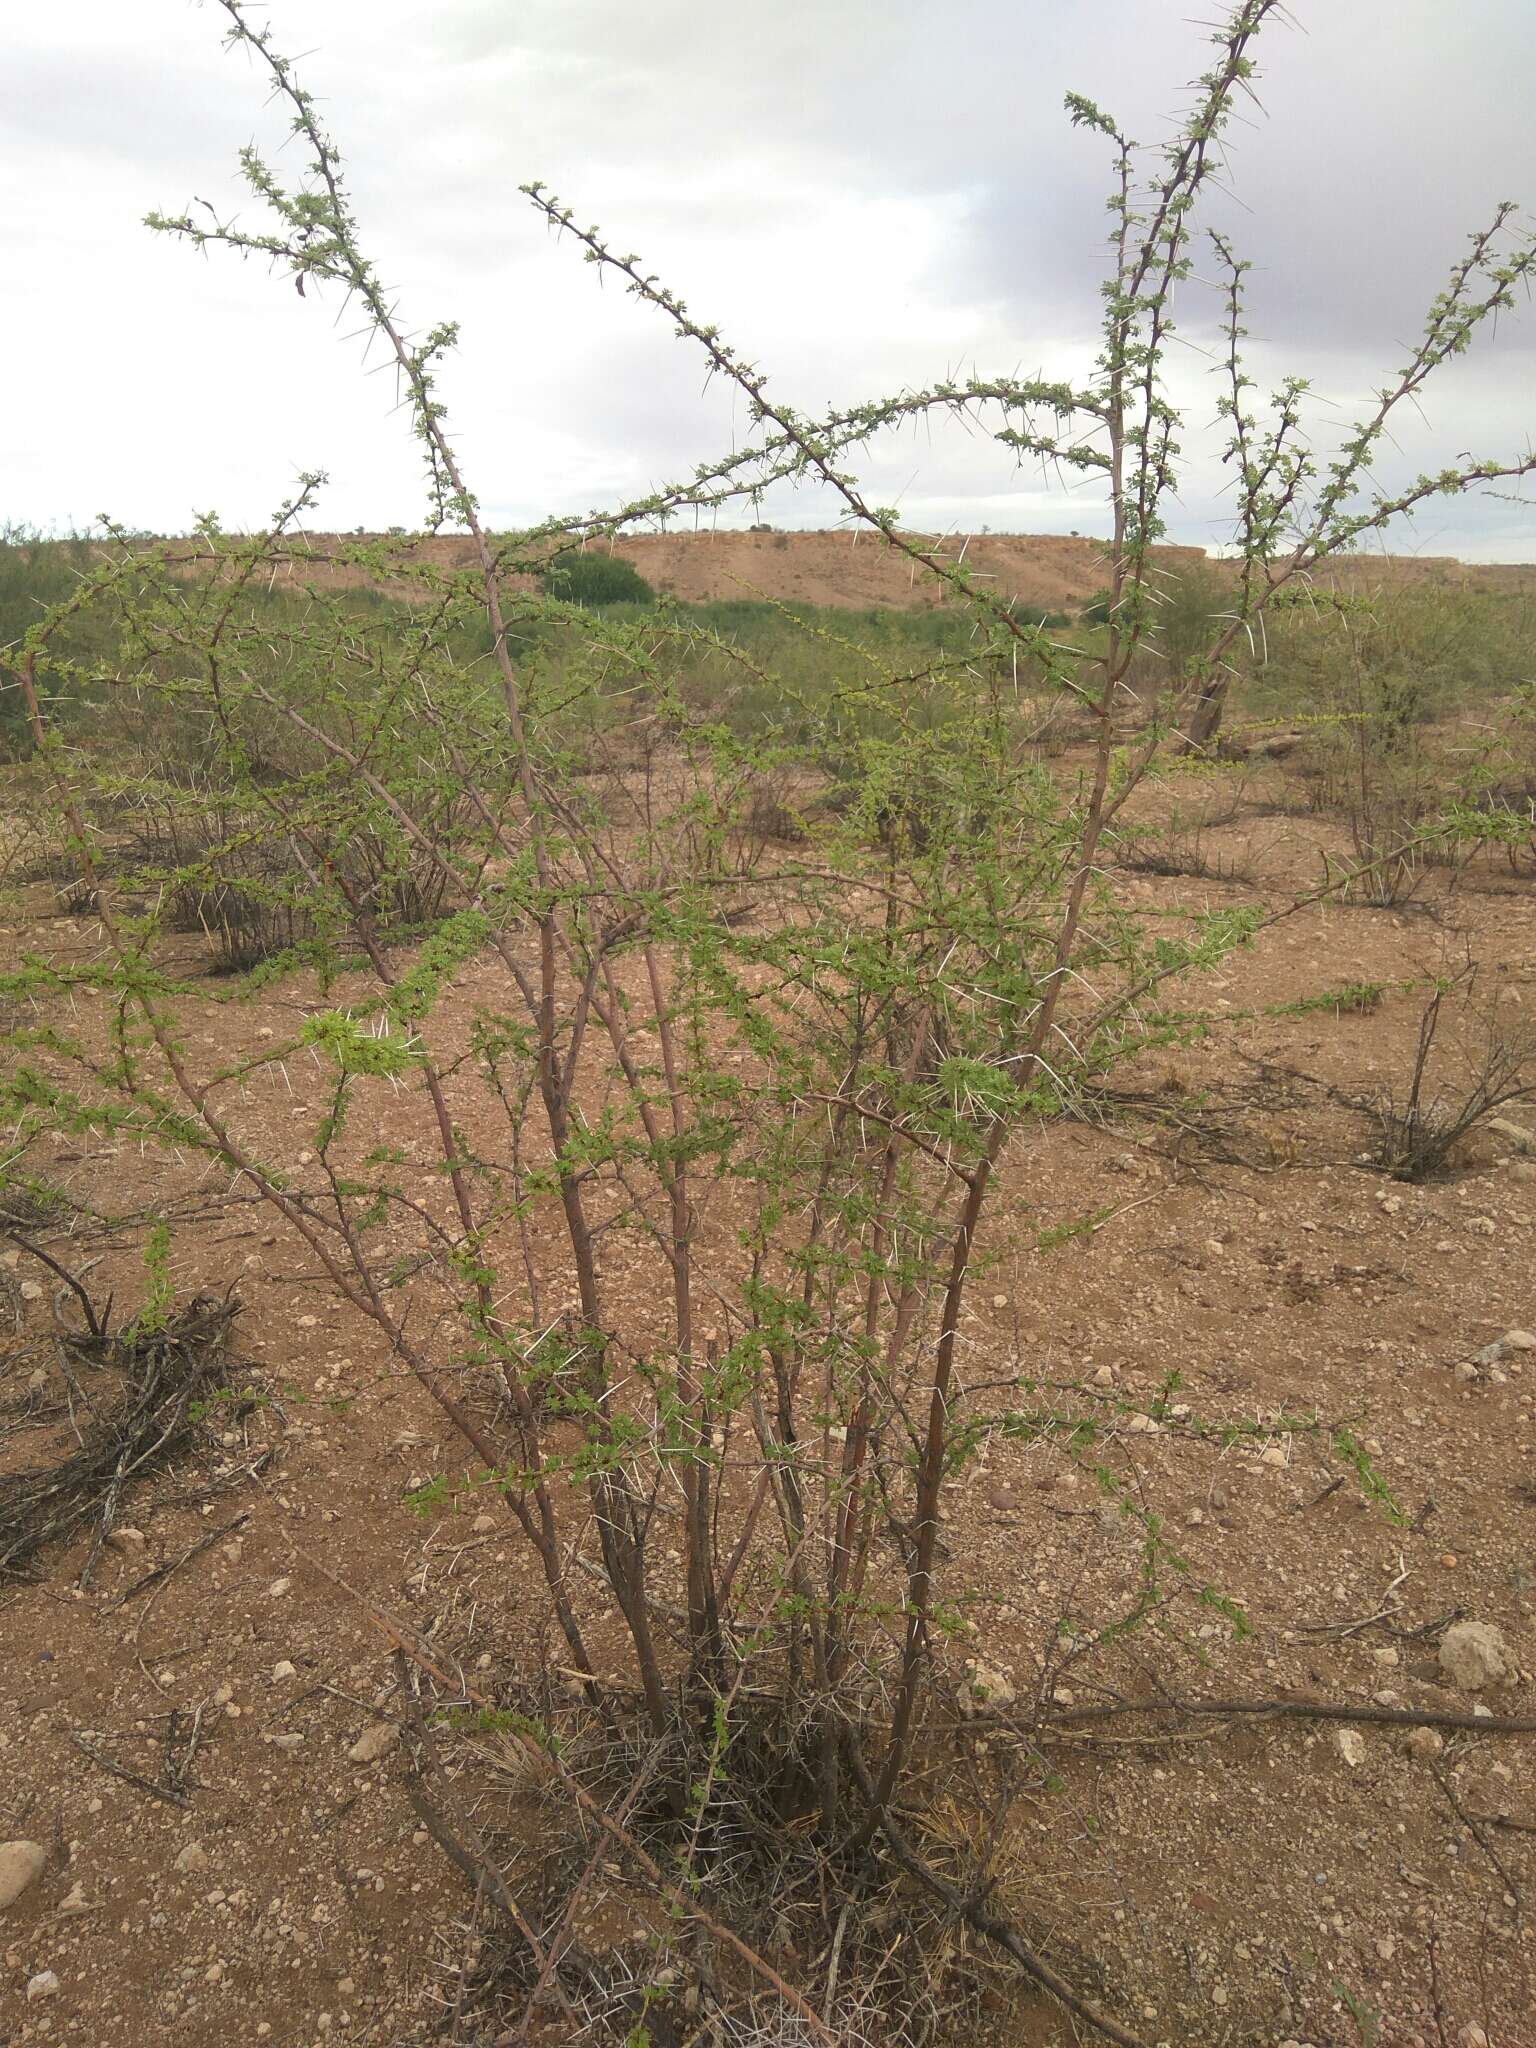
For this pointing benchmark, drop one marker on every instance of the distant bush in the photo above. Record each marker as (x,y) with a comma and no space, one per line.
(596,579)
(35,573)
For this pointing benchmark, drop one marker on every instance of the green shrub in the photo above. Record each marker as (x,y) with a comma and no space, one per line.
(596,579)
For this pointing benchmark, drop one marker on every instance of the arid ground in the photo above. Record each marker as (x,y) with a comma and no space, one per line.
(209,1755)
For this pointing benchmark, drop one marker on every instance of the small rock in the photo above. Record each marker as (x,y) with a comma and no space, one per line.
(1423,1743)
(1104,1376)
(375,1741)
(22,1863)
(31,1290)
(1273,1456)
(1388,1656)
(193,1858)
(1513,1134)
(43,1985)
(1351,1746)
(126,1539)
(1003,1499)
(1195,1518)
(999,1301)
(75,1901)
(279,1588)
(214,1974)
(484,1525)
(1472,2036)
(1473,1654)
(986,1687)
(1518,1340)
(283,1669)
(288,1744)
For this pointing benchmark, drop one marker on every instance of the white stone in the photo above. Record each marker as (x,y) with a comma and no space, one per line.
(1473,1654)
(376,1740)
(43,1985)
(194,1857)
(22,1863)
(1351,1746)
(988,1687)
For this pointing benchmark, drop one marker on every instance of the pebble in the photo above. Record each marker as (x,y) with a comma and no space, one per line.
(1424,1743)
(1473,1655)
(287,1743)
(194,1857)
(278,1588)
(123,1538)
(43,1985)
(376,1740)
(1002,1498)
(283,1669)
(31,1290)
(484,1525)
(22,1863)
(1351,1746)
(75,1901)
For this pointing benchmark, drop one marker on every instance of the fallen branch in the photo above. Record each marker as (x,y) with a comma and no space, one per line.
(1298,1710)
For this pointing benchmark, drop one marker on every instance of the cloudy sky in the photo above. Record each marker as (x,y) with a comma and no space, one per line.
(863,193)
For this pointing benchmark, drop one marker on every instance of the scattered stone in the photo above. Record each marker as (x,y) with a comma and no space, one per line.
(126,1539)
(1472,2036)
(279,1588)
(288,1744)
(283,1669)
(31,1290)
(376,1740)
(193,1858)
(1351,1746)
(1144,1425)
(999,1301)
(484,1525)
(1473,1654)
(1003,1499)
(1195,1518)
(1424,1743)
(1513,1134)
(22,1863)
(1104,1376)
(74,1901)
(1273,1456)
(43,1985)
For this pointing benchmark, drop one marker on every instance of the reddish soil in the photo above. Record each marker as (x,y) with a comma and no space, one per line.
(1055,571)
(1244,1881)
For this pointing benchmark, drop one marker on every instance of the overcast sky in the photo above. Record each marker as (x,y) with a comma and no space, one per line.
(863,193)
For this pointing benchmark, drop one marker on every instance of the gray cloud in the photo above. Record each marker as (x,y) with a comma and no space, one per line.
(864,196)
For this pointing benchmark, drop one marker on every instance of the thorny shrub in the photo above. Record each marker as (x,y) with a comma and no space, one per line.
(715,1107)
